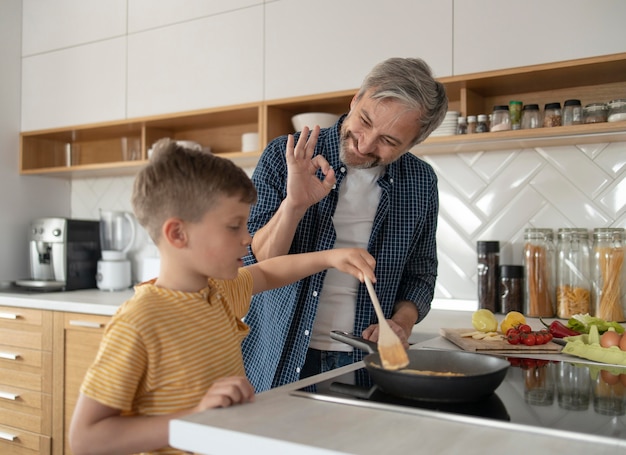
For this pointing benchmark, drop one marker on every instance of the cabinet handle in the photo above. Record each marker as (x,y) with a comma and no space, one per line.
(8,356)
(91,325)
(8,395)
(7,436)
(9,316)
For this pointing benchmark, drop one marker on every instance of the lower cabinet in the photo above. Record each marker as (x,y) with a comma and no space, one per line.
(76,341)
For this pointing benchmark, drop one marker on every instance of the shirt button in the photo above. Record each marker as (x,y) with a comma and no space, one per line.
(314,293)
(306,332)
(298,370)
(390,180)
(343,170)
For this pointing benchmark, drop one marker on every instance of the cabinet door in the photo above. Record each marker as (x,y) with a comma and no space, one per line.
(81,339)
(331,45)
(492,34)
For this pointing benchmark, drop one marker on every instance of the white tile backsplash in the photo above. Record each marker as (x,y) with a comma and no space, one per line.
(483,196)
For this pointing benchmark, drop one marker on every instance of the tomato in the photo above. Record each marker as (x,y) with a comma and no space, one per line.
(530,339)
(540,338)
(524,328)
(513,338)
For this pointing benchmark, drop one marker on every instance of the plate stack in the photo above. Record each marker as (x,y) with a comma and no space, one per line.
(448,126)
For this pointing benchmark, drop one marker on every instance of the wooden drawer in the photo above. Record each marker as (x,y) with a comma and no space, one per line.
(35,420)
(26,328)
(36,379)
(21,317)
(21,359)
(22,400)
(20,442)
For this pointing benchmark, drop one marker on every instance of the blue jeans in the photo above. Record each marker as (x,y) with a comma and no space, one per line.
(322,361)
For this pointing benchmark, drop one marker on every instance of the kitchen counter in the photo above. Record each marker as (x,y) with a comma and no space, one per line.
(89,301)
(277,422)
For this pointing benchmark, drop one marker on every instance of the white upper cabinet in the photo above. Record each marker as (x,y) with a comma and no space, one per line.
(495,34)
(328,45)
(215,61)
(147,14)
(58,24)
(74,86)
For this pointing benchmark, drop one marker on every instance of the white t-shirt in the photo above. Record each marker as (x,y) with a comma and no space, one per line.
(359,196)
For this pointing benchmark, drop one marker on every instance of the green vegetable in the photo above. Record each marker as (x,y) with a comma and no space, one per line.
(583,322)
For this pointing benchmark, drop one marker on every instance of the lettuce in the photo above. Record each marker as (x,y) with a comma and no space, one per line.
(583,322)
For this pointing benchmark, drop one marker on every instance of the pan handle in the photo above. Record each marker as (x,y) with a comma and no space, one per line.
(354,341)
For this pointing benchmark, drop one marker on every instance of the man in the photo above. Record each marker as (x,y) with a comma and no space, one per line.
(353,184)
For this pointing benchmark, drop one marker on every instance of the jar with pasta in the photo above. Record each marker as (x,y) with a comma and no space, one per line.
(573,273)
(609,274)
(539,265)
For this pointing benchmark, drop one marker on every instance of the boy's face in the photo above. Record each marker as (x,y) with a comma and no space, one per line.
(219,241)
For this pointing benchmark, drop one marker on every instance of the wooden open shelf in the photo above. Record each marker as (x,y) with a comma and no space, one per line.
(121,148)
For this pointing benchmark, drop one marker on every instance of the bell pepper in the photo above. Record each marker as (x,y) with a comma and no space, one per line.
(559,330)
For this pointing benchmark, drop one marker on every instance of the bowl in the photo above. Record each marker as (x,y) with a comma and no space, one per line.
(310,119)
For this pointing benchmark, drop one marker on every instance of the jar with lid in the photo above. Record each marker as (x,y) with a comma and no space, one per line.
(531,117)
(572,113)
(500,118)
(539,272)
(609,274)
(573,273)
(461,125)
(595,113)
(481,124)
(471,124)
(617,110)
(515,113)
(552,115)
(511,288)
(488,252)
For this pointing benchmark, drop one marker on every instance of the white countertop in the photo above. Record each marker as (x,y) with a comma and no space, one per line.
(277,423)
(89,301)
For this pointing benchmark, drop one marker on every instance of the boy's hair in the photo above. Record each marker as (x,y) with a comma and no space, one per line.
(184,182)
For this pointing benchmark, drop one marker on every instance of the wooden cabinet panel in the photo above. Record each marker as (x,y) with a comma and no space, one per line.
(20,442)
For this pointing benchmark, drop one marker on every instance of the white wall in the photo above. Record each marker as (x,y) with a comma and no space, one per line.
(21,198)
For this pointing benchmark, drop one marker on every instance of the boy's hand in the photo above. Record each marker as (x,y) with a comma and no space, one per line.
(355,261)
(226,392)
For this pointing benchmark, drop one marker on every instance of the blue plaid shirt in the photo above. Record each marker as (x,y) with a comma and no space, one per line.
(402,241)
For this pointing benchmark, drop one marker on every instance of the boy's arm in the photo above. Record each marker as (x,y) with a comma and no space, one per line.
(283,270)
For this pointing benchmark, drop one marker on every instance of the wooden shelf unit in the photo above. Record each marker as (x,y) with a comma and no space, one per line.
(121,148)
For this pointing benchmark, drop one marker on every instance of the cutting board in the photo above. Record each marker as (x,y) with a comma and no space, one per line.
(497,346)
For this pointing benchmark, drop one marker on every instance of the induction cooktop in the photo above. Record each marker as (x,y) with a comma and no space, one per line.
(575,400)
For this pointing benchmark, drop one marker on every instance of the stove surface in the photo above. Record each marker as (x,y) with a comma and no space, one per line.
(579,401)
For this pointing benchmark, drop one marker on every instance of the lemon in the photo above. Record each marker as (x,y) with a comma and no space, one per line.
(484,320)
(512,319)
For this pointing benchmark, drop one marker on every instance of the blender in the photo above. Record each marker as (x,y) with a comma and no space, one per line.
(117,235)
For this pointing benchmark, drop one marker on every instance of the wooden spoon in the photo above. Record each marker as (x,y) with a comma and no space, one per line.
(393,356)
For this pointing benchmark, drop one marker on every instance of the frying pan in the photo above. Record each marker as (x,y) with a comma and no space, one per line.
(481,373)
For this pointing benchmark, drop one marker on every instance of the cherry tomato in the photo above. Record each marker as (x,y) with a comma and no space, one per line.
(513,338)
(529,339)
(512,330)
(539,338)
(524,328)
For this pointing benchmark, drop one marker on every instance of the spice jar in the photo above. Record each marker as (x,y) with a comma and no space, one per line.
(531,117)
(481,124)
(538,272)
(511,288)
(609,274)
(488,271)
(595,113)
(500,119)
(471,124)
(572,113)
(461,125)
(515,112)
(617,110)
(552,115)
(573,274)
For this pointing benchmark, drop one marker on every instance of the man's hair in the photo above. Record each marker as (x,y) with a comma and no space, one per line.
(410,81)
(184,182)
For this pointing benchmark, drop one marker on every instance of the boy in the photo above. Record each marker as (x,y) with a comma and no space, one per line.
(174,348)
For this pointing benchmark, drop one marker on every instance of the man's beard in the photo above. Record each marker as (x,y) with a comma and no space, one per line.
(351,160)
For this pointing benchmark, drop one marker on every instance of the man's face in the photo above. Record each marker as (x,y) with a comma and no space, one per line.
(376,132)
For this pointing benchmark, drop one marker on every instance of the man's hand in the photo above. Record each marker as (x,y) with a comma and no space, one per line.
(371,333)
(304,187)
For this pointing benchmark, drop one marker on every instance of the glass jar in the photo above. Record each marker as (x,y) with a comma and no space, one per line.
(471,124)
(617,110)
(500,119)
(481,124)
(488,272)
(539,272)
(515,112)
(609,274)
(552,115)
(573,274)
(511,288)
(595,113)
(531,117)
(572,113)
(461,125)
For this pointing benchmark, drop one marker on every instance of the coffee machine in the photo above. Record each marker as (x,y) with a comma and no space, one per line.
(64,254)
